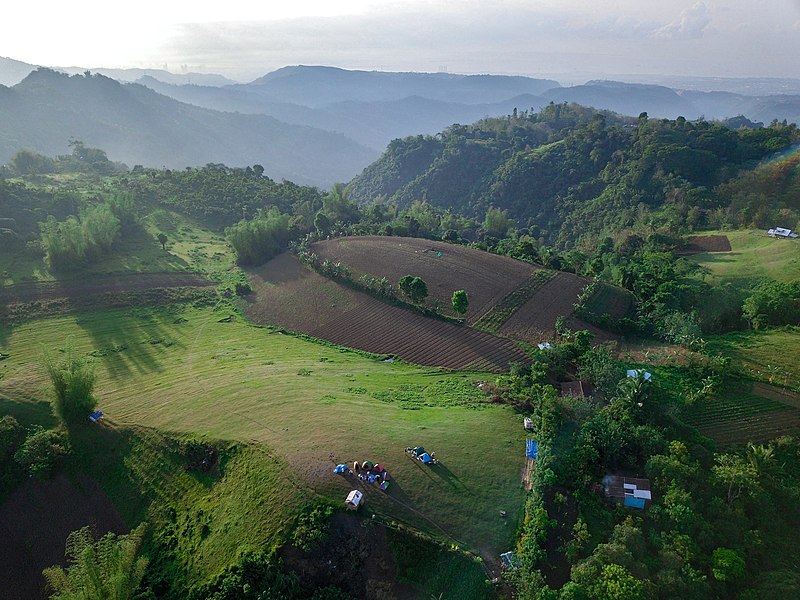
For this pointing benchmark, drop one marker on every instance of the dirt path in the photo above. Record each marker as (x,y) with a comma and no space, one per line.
(93,286)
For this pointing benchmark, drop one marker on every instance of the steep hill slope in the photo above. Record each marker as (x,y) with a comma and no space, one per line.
(138,126)
(570,171)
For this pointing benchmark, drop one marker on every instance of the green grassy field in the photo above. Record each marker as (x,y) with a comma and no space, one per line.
(185,372)
(771,356)
(753,255)
(190,247)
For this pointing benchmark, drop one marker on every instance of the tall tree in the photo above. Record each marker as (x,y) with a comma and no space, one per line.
(460,302)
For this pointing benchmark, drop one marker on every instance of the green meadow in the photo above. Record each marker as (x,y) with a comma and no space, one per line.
(753,255)
(206,373)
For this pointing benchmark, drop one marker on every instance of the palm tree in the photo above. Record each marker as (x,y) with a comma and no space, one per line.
(104,570)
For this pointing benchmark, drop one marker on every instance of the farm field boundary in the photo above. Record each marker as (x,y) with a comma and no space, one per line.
(491,321)
(287,294)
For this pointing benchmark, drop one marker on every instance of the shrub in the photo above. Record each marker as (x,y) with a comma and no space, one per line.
(73,382)
(42,450)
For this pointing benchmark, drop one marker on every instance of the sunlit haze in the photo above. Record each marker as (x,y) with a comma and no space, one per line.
(244,40)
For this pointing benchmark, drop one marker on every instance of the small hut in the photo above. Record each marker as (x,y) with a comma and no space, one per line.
(353,500)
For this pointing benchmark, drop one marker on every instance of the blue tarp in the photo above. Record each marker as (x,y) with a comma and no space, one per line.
(426,458)
(96,416)
(531,449)
(634,502)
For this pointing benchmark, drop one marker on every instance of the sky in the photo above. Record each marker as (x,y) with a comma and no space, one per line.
(244,40)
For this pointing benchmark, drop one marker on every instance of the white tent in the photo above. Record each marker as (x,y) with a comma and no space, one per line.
(636,373)
(353,500)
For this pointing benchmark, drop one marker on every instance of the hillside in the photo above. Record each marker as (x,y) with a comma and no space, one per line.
(138,126)
(570,172)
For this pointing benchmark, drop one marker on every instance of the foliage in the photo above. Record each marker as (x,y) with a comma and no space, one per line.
(312,526)
(41,451)
(414,287)
(727,565)
(773,303)
(256,241)
(460,302)
(106,569)
(73,381)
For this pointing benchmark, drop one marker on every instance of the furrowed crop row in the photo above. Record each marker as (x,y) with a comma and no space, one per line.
(419,340)
(493,320)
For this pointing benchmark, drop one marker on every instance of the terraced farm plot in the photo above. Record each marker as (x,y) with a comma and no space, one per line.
(502,311)
(738,416)
(289,295)
(487,278)
(535,320)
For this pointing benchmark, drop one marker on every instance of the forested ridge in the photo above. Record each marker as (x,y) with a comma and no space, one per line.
(574,172)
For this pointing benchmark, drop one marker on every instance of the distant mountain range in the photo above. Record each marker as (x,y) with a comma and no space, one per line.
(136,125)
(287,118)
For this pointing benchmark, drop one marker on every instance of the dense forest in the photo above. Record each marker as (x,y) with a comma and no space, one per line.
(568,172)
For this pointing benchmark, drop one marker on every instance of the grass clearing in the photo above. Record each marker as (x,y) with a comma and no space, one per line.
(184,371)
(753,255)
(771,355)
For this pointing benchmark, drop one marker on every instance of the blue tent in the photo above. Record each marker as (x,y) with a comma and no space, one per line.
(340,469)
(531,449)
(426,458)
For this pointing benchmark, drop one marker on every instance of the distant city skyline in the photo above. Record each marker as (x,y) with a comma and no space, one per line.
(709,38)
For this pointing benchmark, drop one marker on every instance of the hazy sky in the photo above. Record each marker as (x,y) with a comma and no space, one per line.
(244,39)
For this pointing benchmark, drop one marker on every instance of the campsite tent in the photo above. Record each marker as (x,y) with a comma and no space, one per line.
(531,449)
(353,500)
(425,457)
(339,469)
(367,464)
(418,450)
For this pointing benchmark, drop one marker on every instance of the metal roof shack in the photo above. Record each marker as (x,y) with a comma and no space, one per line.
(631,491)
(781,232)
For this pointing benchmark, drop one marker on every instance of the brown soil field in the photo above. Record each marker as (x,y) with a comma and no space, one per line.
(289,295)
(35,522)
(535,320)
(705,243)
(94,286)
(487,278)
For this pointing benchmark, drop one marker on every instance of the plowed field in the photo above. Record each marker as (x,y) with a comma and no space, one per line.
(289,295)
(487,278)
(535,320)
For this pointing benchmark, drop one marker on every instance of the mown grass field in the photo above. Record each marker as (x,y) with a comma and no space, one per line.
(771,356)
(190,247)
(753,255)
(186,372)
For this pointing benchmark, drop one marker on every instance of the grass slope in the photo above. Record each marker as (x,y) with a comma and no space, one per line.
(188,373)
(753,255)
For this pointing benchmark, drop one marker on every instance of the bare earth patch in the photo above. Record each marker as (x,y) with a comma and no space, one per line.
(287,294)
(705,243)
(487,278)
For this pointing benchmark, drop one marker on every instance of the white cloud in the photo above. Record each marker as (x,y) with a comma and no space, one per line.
(691,24)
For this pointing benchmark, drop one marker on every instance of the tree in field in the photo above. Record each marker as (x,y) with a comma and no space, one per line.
(259,239)
(414,287)
(63,243)
(162,239)
(496,223)
(107,569)
(322,223)
(101,228)
(73,382)
(460,302)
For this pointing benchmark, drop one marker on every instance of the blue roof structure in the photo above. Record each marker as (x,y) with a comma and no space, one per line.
(634,502)
(531,449)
